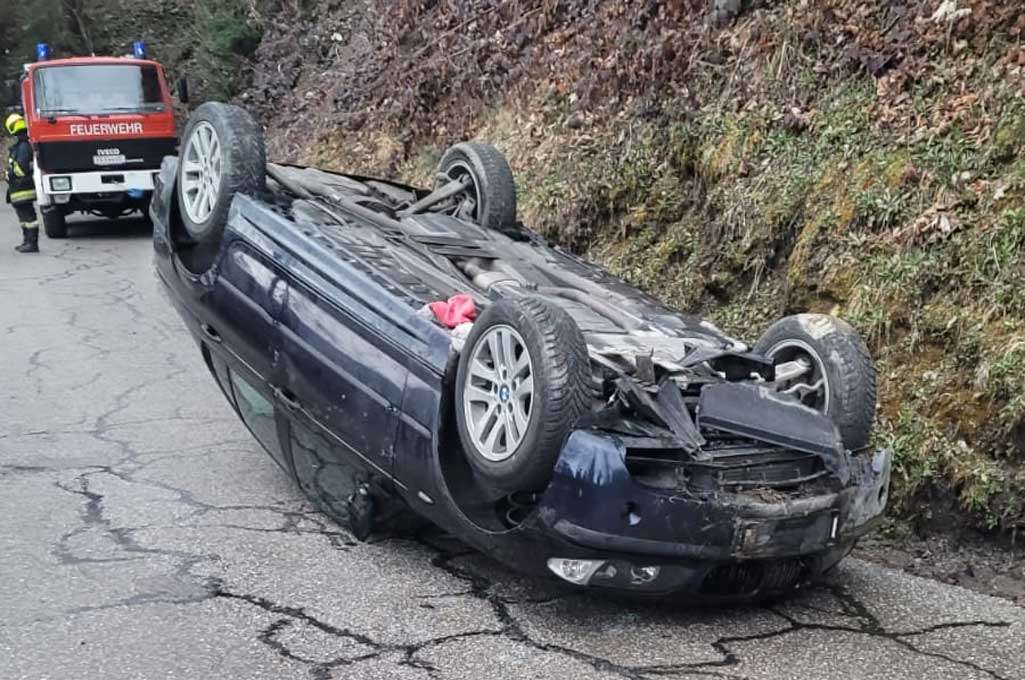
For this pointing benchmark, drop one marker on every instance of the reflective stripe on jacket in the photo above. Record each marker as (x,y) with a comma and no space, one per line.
(23,195)
(16,169)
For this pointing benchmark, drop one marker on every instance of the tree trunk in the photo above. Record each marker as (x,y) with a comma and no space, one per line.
(73,8)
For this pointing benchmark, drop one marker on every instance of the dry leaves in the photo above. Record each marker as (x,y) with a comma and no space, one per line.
(422,69)
(935,224)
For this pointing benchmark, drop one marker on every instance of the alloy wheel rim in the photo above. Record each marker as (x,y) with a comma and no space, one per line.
(812,388)
(201,172)
(457,170)
(499,393)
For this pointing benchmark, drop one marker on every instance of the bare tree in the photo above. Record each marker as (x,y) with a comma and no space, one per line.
(74,10)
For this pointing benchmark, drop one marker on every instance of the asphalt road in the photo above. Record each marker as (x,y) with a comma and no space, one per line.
(143,534)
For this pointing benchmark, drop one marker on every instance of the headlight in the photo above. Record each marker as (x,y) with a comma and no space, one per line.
(577,572)
(60,183)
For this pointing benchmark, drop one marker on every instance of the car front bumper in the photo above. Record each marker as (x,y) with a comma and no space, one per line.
(716,544)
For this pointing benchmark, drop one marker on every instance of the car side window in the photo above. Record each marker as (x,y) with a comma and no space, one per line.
(324,472)
(219,369)
(257,412)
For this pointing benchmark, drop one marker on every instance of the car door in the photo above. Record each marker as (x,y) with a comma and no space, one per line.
(242,328)
(342,374)
(247,296)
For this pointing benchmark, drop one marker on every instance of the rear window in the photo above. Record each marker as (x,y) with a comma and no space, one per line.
(97,88)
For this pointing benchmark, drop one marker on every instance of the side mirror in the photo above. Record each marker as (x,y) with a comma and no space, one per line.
(183,90)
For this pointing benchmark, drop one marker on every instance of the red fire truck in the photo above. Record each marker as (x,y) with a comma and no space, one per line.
(100,127)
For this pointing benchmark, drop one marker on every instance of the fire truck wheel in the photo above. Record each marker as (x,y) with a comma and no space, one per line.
(222,155)
(53,223)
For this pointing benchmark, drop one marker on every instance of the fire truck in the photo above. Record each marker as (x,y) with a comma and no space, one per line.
(100,127)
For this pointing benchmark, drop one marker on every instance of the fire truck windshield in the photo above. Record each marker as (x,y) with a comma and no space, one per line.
(97,89)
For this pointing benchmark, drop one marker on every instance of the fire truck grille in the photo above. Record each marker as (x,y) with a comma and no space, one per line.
(120,154)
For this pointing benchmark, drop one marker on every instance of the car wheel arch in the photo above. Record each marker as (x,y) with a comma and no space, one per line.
(448,472)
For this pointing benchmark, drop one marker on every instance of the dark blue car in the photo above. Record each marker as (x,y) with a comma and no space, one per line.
(564,422)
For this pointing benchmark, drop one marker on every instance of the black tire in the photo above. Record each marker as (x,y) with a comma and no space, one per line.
(849,370)
(243,167)
(560,396)
(493,187)
(54,223)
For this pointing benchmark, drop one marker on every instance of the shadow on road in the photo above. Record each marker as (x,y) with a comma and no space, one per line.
(132,227)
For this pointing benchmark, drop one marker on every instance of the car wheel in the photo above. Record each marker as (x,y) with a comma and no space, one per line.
(522,384)
(831,370)
(222,154)
(490,196)
(54,223)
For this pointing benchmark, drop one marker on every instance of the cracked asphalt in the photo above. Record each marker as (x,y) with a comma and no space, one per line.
(143,534)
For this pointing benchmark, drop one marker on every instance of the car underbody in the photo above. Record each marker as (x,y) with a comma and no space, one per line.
(706,412)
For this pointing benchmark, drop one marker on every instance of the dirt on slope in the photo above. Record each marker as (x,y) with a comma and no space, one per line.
(963,559)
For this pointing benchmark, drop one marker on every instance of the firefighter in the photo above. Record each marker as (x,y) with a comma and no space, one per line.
(21,189)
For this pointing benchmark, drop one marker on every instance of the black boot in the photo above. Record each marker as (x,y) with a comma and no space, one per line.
(31,242)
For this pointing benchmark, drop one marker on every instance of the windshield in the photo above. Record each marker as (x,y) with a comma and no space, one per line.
(97,88)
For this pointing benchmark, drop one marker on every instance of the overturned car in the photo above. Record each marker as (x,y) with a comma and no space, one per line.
(569,425)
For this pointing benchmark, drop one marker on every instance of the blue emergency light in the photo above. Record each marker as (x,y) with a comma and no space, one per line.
(139,49)
(43,52)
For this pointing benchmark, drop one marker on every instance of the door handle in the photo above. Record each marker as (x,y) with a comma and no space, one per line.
(211,332)
(287,398)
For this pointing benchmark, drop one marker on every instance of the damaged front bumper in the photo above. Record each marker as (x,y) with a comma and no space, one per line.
(623,534)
